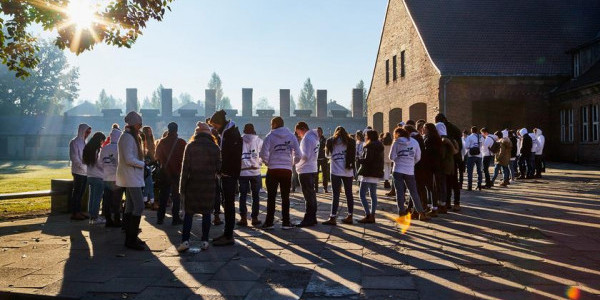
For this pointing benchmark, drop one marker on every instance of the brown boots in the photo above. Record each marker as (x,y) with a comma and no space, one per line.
(333,221)
(368,219)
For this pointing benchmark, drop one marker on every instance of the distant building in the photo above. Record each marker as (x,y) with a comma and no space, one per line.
(489,63)
(84,109)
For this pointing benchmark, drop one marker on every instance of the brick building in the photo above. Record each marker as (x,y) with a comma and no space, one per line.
(488,63)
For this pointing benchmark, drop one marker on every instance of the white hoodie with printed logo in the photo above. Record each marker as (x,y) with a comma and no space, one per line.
(110,157)
(280,149)
(405,153)
(338,160)
(76,151)
(250,159)
(541,140)
(309,149)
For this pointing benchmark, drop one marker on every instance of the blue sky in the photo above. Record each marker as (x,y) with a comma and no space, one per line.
(260,44)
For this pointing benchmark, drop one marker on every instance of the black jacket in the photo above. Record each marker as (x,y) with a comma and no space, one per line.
(527,144)
(420,165)
(350,151)
(322,142)
(513,150)
(432,156)
(455,134)
(231,152)
(372,160)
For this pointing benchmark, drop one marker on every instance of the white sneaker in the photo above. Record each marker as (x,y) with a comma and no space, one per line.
(183,247)
(101,220)
(204,245)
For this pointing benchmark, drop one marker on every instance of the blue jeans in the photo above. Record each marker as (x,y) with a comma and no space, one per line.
(307,182)
(513,168)
(336,187)
(149,188)
(254,183)
(95,195)
(79,183)
(402,182)
(473,161)
(487,162)
(372,188)
(504,172)
(187,227)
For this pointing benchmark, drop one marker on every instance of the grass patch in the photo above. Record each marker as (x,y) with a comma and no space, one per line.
(28,176)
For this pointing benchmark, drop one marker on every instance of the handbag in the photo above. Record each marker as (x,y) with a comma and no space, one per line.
(161,176)
(474,151)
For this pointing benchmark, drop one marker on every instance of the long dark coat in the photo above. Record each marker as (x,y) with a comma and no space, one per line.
(201,163)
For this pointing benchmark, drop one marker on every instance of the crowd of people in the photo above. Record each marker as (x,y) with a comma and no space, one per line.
(425,161)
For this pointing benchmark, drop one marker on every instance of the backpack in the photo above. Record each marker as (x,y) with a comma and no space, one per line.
(495,148)
(474,151)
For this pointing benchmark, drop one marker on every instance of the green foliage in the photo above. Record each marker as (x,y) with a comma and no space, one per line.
(51,83)
(118,23)
(263,103)
(307,99)
(106,101)
(225,103)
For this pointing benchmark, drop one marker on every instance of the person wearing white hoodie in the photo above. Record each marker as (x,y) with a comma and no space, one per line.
(488,156)
(130,175)
(113,194)
(91,158)
(539,158)
(279,152)
(307,170)
(405,153)
(535,145)
(341,149)
(79,171)
(250,178)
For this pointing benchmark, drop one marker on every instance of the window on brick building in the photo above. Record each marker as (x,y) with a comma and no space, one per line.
(595,124)
(402,64)
(585,124)
(566,125)
(387,71)
(395,67)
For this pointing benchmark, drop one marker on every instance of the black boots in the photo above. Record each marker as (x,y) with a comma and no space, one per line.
(131,233)
(113,220)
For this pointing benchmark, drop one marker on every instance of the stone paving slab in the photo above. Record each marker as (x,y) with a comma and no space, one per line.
(534,239)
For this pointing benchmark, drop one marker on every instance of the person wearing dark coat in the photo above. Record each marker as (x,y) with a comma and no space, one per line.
(169,153)
(370,172)
(231,148)
(197,187)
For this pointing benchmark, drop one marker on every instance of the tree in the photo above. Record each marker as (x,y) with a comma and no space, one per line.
(105,101)
(292,105)
(184,98)
(51,84)
(225,103)
(146,103)
(262,103)
(307,99)
(156,98)
(117,23)
(215,84)
(361,85)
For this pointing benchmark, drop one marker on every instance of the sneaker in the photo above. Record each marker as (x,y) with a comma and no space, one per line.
(286,226)
(267,226)
(101,220)
(184,247)
(204,245)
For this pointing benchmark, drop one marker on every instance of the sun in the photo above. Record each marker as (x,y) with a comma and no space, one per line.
(81,13)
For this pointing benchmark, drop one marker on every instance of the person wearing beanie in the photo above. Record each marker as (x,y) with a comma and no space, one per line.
(78,170)
(231,145)
(200,166)
(250,179)
(279,152)
(130,175)
(307,170)
(111,201)
(169,154)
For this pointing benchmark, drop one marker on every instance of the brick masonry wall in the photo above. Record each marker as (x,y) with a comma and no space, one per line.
(576,151)
(421,81)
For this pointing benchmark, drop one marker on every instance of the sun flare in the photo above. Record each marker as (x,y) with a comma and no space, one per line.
(81,13)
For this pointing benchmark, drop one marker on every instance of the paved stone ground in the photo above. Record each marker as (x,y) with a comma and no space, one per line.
(532,240)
